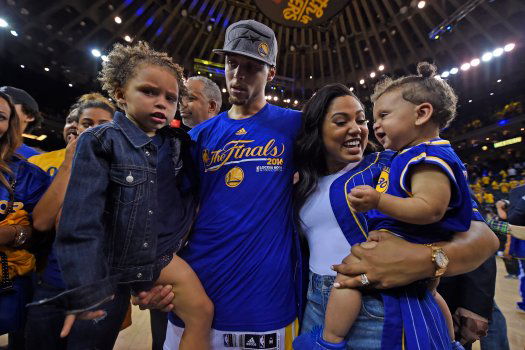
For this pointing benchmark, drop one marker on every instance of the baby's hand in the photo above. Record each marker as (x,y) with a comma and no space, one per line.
(363,198)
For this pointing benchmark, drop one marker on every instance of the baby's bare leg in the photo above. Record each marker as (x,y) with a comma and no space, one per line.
(342,310)
(190,303)
(446,313)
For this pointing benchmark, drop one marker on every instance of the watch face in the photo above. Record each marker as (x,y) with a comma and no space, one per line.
(441,259)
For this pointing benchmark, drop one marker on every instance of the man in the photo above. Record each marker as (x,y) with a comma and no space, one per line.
(241,252)
(516,216)
(28,114)
(202,102)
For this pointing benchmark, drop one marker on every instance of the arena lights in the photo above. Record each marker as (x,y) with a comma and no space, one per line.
(421,4)
(351,88)
(498,52)
(498,81)
(469,101)
(118,20)
(445,74)
(311,77)
(475,62)
(276,98)
(295,102)
(381,68)
(223,90)
(372,75)
(491,94)
(509,47)
(70,85)
(465,66)
(484,148)
(128,38)
(22,66)
(46,69)
(454,70)
(362,81)
(487,56)
(14,33)
(3,23)
(96,52)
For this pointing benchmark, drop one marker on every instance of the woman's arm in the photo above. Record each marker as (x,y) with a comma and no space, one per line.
(47,209)
(8,233)
(390,261)
(517,231)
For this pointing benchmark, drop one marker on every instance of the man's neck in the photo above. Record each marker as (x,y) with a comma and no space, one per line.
(246,110)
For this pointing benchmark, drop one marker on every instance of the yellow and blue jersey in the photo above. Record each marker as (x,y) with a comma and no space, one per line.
(243,238)
(439,153)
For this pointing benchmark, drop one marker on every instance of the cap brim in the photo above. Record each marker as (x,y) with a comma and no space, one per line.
(241,53)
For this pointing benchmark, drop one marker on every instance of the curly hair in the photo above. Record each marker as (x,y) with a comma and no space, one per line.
(123,61)
(421,88)
(90,98)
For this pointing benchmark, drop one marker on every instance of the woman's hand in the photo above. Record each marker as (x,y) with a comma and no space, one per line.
(388,261)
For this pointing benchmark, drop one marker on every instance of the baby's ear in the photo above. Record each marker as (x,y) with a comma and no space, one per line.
(119,97)
(424,113)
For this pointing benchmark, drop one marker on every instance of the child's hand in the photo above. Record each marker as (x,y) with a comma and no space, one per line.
(363,198)
(87,315)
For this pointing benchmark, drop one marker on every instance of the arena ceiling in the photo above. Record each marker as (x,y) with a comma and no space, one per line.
(348,47)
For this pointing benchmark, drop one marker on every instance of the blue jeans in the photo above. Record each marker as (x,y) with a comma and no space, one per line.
(44,323)
(497,335)
(367,329)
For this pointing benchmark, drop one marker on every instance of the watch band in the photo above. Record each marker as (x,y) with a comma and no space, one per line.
(435,251)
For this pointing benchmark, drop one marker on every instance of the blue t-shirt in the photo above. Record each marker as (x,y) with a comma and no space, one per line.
(241,244)
(26,151)
(396,181)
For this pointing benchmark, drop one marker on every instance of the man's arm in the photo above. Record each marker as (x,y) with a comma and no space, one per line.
(516,213)
(390,261)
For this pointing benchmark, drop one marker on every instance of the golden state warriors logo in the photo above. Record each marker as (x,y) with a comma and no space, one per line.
(382,183)
(234,177)
(263,49)
(205,156)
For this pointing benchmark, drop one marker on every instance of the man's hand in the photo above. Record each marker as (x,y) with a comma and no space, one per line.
(363,198)
(159,297)
(388,261)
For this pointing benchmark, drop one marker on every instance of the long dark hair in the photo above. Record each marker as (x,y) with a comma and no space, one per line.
(9,142)
(309,152)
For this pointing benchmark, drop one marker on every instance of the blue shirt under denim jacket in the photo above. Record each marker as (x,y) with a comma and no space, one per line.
(107,233)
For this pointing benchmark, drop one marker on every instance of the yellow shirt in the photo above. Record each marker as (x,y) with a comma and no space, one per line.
(513,184)
(49,162)
(476,187)
(495,185)
(522,182)
(503,174)
(479,197)
(504,187)
(485,180)
(488,198)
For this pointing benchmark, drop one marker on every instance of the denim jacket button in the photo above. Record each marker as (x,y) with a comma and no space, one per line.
(150,212)
(139,275)
(145,245)
(147,153)
(151,181)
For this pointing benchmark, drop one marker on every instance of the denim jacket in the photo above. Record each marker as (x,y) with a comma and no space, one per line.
(107,229)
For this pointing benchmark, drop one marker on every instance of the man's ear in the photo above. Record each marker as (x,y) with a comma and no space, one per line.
(424,113)
(212,107)
(271,74)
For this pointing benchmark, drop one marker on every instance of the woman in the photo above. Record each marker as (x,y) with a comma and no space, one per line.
(21,186)
(331,161)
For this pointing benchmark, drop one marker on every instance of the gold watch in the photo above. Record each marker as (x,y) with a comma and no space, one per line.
(440,260)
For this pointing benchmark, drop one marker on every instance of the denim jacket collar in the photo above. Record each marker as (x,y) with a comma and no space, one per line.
(137,137)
